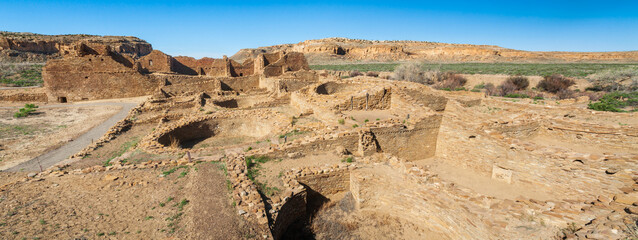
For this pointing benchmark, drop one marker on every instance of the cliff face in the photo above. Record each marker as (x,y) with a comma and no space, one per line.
(328,50)
(29,47)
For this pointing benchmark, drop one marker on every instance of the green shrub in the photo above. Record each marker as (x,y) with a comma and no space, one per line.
(24,112)
(615,102)
(516,95)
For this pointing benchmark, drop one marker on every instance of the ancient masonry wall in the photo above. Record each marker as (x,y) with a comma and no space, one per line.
(13,96)
(93,77)
(289,82)
(240,84)
(430,100)
(416,143)
(156,61)
(380,99)
(210,86)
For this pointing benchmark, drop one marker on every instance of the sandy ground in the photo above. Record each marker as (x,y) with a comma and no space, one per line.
(122,204)
(50,127)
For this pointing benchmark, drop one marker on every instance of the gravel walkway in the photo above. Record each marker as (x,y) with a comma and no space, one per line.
(55,156)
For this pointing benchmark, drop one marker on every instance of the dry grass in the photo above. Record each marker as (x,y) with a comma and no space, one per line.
(174,142)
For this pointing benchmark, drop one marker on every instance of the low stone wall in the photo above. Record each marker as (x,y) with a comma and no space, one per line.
(428,99)
(22,97)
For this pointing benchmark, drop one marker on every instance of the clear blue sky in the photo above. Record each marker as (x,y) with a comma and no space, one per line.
(209,28)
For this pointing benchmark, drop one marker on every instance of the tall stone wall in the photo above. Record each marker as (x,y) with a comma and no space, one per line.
(93,77)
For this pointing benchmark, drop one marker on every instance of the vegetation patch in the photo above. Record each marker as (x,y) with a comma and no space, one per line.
(616,102)
(522,69)
(125,147)
(25,111)
(20,75)
(253,164)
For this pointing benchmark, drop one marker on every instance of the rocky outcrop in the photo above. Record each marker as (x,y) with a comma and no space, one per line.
(30,47)
(329,50)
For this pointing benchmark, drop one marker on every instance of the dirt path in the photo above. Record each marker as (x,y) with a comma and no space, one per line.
(51,158)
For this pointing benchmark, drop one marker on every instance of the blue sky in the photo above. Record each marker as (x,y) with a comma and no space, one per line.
(210,28)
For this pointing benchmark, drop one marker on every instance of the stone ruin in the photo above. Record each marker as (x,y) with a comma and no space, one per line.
(208,107)
(214,109)
(96,71)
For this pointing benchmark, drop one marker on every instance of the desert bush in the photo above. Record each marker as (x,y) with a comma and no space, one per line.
(433,76)
(565,94)
(625,79)
(411,72)
(355,73)
(372,74)
(555,83)
(490,89)
(520,82)
(507,88)
(451,80)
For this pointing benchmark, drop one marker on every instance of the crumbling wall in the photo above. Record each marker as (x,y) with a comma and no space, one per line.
(430,100)
(289,82)
(373,99)
(275,64)
(19,95)
(209,86)
(246,68)
(239,84)
(205,66)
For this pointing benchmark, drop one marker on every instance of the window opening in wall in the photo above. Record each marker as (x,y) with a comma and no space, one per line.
(61,99)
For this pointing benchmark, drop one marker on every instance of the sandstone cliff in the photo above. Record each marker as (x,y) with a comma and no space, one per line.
(30,47)
(331,50)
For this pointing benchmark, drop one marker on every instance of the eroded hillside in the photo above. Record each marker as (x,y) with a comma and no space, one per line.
(329,50)
(31,47)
